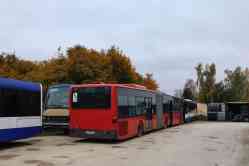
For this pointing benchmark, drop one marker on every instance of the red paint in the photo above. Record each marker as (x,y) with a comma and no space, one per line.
(177,118)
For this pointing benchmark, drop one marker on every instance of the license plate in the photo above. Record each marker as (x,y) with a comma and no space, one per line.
(90,132)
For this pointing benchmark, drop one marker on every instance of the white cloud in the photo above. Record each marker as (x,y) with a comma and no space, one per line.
(165,37)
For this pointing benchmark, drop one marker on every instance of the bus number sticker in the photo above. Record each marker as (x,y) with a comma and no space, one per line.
(75,97)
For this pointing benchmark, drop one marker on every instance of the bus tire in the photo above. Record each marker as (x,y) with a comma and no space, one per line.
(140,131)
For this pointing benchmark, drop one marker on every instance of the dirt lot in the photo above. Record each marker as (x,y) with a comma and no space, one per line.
(196,144)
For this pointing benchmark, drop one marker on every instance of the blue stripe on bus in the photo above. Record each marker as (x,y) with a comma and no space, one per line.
(7,135)
(16,84)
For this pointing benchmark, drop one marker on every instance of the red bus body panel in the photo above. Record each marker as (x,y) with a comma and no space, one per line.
(166,119)
(177,118)
(95,119)
(99,119)
(127,128)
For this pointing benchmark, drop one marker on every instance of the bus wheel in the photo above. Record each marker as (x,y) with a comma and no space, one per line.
(140,131)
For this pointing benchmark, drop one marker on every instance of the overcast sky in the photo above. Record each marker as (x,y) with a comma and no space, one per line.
(165,37)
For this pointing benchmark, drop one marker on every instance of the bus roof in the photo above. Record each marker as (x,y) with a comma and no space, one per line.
(17,84)
(138,87)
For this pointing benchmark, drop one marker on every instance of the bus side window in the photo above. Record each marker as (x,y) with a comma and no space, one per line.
(151,106)
(11,105)
(220,108)
(148,105)
(170,106)
(1,103)
(145,105)
(132,106)
(123,111)
(139,105)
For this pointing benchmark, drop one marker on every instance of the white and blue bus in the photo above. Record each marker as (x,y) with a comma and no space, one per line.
(20,109)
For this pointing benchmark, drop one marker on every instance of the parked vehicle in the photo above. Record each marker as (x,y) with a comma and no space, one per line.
(202,111)
(190,110)
(216,111)
(117,111)
(238,111)
(56,112)
(20,109)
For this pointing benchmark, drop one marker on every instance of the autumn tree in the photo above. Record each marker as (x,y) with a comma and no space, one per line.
(149,82)
(122,69)
(12,67)
(78,65)
(87,65)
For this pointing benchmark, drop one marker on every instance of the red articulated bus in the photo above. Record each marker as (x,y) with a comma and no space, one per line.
(115,111)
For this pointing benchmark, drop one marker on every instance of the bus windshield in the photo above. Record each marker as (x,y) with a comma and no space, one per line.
(91,97)
(58,97)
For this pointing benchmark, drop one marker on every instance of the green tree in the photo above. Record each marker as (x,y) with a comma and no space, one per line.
(206,82)
(199,72)
(237,85)
(189,91)
(219,92)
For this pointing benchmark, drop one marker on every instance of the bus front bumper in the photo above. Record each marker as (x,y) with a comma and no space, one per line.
(93,134)
(51,125)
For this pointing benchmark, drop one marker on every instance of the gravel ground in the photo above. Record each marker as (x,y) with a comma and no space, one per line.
(195,144)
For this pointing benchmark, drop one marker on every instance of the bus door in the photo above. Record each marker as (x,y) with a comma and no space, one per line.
(149,113)
(159,111)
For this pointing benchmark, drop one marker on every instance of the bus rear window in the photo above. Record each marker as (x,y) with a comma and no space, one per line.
(91,97)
